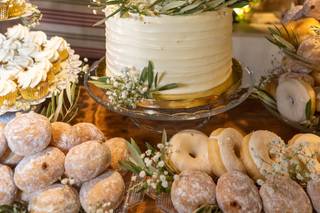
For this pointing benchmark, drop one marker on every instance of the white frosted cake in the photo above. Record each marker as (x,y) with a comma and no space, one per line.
(194,51)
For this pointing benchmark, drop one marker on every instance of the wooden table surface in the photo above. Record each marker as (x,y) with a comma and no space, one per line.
(248,117)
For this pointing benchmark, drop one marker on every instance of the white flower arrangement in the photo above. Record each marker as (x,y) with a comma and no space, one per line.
(132,87)
(20,49)
(150,168)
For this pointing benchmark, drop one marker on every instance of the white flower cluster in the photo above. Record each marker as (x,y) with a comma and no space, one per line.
(28,58)
(126,90)
(299,162)
(155,176)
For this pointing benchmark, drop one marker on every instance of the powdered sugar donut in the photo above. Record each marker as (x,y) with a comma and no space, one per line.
(63,136)
(188,150)
(55,199)
(119,151)
(281,194)
(293,14)
(102,193)
(9,158)
(224,151)
(236,192)
(28,133)
(311,8)
(310,49)
(38,171)
(87,132)
(87,160)
(313,189)
(7,187)
(191,189)
(3,141)
(258,153)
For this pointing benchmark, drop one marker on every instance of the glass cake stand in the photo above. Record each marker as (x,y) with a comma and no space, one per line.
(157,118)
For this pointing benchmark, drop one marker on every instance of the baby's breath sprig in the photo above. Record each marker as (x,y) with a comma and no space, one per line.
(150,167)
(129,89)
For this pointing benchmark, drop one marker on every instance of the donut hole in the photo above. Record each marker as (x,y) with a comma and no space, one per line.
(235,205)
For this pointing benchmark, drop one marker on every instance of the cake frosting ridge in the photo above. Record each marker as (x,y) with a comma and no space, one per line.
(194,51)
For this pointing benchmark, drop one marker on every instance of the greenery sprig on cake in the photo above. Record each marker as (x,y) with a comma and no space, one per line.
(133,86)
(162,7)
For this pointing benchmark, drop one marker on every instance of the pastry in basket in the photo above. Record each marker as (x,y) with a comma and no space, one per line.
(87,160)
(310,49)
(192,189)
(56,198)
(260,150)
(281,194)
(28,133)
(189,151)
(313,189)
(224,151)
(102,193)
(302,28)
(236,192)
(119,151)
(40,170)
(8,189)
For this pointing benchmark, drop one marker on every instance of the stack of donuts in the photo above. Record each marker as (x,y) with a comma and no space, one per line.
(58,167)
(238,162)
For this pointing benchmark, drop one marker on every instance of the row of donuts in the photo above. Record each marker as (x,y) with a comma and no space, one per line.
(60,167)
(262,155)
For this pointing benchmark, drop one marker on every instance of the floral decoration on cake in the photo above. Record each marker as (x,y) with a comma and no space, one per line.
(34,68)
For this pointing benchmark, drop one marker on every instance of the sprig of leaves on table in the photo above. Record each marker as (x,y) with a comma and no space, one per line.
(165,7)
(63,106)
(16,207)
(129,89)
(150,167)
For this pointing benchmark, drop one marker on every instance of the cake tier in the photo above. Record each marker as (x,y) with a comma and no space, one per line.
(194,51)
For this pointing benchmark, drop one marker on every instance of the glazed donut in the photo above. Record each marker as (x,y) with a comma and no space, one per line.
(9,158)
(236,192)
(119,151)
(105,192)
(192,189)
(87,160)
(3,141)
(224,151)
(40,170)
(8,189)
(310,145)
(87,132)
(313,189)
(256,153)
(62,136)
(28,133)
(55,199)
(281,194)
(188,150)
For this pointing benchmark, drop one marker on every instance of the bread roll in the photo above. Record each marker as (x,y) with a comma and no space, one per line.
(102,193)
(119,151)
(56,198)
(40,170)
(87,132)
(28,133)
(63,136)
(7,187)
(87,160)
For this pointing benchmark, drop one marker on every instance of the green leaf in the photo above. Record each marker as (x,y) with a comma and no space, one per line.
(135,154)
(144,75)
(156,80)
(168,87)
(308,110)
(150,74)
